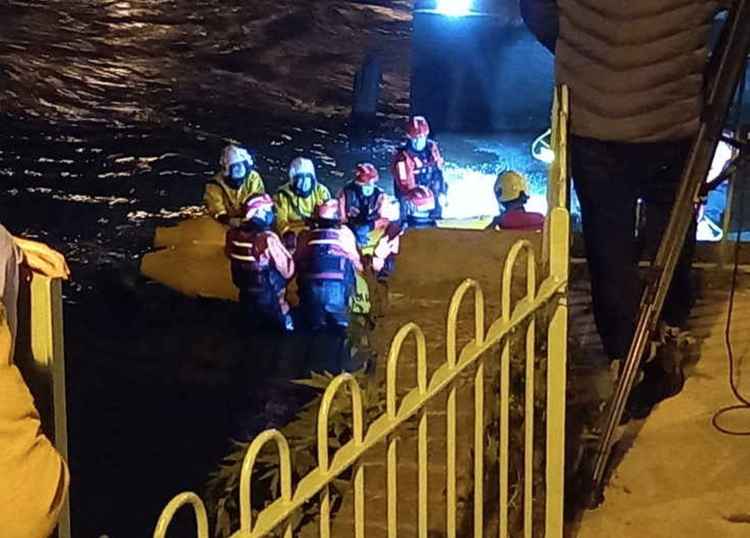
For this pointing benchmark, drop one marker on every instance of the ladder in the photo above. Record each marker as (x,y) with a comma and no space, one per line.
(724,71)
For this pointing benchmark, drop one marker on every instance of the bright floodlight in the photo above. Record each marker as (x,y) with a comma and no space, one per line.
(454,8)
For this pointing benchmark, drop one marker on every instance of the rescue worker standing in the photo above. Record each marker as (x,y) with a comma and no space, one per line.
(297,199)
(261,266)
(418,173)
(636,105)
(237,181)
(373,217)
(511,192)
(327,261)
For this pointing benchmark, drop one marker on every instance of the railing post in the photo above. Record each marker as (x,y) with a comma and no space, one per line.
(40,355)
(557,248)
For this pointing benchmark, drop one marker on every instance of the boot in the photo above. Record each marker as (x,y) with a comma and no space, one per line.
(663,378)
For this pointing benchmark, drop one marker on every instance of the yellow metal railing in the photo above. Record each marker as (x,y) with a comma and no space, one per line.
(523,314)
(39,354)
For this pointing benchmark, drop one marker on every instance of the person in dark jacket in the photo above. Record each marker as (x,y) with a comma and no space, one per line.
(635,71)
(373,216)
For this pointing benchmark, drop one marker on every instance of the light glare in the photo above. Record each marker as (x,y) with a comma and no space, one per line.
(454,8)
(471,194)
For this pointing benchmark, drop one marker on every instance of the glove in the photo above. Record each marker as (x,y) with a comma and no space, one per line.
(290,240)
(393,230)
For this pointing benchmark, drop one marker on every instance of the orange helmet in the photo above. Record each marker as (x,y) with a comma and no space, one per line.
(366,174)
(422,199)
(417,127)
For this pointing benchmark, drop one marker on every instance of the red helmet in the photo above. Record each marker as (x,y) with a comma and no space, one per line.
(257,203)
(422,199)
(366,174)
(417,127)
(328,210)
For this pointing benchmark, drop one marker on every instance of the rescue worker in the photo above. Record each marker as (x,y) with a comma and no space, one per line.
(637,98)
(418,174)
(511,192)
(236,181)
(373,216)
(261,266)
(297,199)
(327,262)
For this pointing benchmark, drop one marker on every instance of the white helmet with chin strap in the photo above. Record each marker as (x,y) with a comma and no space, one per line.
(232,155)
(300,165)
(302,176)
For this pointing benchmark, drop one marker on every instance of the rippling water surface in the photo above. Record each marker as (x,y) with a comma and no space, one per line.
(112,114)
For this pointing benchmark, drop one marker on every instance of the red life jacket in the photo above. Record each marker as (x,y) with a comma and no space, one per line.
(521,220)
(248,252)
(322,256)
(413,168)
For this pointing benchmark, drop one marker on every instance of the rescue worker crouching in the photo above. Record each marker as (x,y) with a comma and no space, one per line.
(297,199)
(261,266)
(511,192)
(236,181)
(373,216)
(327,261)
(418,175)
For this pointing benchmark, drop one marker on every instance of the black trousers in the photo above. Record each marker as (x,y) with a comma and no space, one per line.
(609,178)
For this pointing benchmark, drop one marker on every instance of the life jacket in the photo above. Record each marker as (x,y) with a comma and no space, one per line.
(521,220)
(252,271)
(414,168)
(424,163)
(367,206)
(322,257)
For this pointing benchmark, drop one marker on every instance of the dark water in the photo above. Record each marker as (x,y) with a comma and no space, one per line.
(112,116)
(113,113)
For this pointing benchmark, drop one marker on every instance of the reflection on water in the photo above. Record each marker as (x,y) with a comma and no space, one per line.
(135,99)
(112,116)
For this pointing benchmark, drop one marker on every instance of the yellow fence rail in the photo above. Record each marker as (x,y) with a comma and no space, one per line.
(523,314)
(40,356)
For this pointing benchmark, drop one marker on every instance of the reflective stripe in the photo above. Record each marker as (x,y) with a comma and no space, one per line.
(402,170)
(243,258)
(324,242)
(323,276)
(242,244)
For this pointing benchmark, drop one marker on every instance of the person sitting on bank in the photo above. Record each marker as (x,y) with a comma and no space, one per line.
(511,192)
(297,200)
(236,181)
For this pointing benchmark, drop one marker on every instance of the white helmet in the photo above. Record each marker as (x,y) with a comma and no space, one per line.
(300,165)
(232,155)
